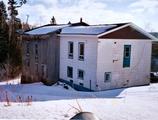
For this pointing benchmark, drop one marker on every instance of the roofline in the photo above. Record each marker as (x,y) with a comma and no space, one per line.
(112,30)
(133,26)
(76,35)
(126,39)
(143,31)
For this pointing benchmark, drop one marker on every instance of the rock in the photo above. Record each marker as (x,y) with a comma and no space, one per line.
(85,116)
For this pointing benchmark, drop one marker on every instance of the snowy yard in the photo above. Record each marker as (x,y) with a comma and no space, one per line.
(55,102)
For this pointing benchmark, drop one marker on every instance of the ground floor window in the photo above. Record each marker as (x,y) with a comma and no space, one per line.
(70,72)
(81,84)
(81,74)
(107,76)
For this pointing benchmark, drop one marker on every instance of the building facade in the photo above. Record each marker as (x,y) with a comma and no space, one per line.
(88,57)
(105,57)
(41,55)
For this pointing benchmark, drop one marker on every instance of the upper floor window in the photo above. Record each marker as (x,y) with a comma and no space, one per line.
(107,76)
(127,56)
(44,70)
(36,49)
(27,62)
(36,67)
(27,48)
(70,50)
(81,51)
(81,74)
(70,72)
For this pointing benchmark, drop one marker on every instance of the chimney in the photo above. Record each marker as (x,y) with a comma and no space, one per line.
(81,20)
(69,22)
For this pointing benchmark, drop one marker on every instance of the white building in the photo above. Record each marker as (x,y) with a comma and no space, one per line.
(104,57)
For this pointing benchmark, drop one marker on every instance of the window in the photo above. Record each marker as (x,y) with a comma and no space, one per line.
(69,72)
(81,51)
(81,74)
(36,67)
(71,81)
(36,49)
(127,56)
(107,76)
(44,70)
(27,62)
(70,50)
(27,48)
(81,84)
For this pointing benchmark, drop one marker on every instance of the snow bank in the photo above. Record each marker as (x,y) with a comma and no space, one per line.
(57,103)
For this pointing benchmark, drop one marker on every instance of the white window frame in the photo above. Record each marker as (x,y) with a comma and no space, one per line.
(67,72)
(81,57)
(79,76)
(70,55)
(105,76)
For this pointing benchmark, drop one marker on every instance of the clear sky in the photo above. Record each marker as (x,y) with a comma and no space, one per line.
(143,13)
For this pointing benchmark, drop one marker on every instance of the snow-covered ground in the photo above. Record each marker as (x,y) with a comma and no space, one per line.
(57,103)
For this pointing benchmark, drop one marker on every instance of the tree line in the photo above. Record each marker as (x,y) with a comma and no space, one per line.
(10,44)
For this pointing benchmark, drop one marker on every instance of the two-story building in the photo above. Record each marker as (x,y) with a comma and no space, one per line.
(88,57)
(101,57)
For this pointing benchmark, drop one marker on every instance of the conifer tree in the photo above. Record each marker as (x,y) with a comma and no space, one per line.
(15,57)
(3,35)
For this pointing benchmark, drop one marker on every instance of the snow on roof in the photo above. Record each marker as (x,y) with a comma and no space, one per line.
(45,29)
(87,30)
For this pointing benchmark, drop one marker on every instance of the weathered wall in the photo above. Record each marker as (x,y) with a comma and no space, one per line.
(48,55)
(137,74)
(88,65)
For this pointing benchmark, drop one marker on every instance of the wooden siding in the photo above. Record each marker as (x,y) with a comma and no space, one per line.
(125,33)
(48,56)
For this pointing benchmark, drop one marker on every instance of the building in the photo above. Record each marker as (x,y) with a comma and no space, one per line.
(40,53)
(102,57)
(154,60)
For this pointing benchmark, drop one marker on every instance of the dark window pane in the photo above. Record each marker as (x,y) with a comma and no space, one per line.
(81,74)
(70,72)
(70,50)
(107,76)
(81,84)
(81,51)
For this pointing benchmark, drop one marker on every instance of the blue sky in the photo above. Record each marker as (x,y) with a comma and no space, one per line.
(143,13)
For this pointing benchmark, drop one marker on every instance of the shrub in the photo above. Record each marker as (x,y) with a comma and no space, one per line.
(48,82)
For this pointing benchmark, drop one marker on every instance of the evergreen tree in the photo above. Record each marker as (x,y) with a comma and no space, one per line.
(15,57)
(53,21)
(4,46)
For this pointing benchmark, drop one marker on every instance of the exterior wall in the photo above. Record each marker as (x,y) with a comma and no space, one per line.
(113,49)
(48,56)
(88,65)
(154,65)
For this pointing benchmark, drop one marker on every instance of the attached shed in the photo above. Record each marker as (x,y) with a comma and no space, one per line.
(41,54)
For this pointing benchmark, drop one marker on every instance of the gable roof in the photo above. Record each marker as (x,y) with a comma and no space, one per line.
(45,29)
(134,27)
(154,34)
(51,28)
(89,30)
(102,30)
